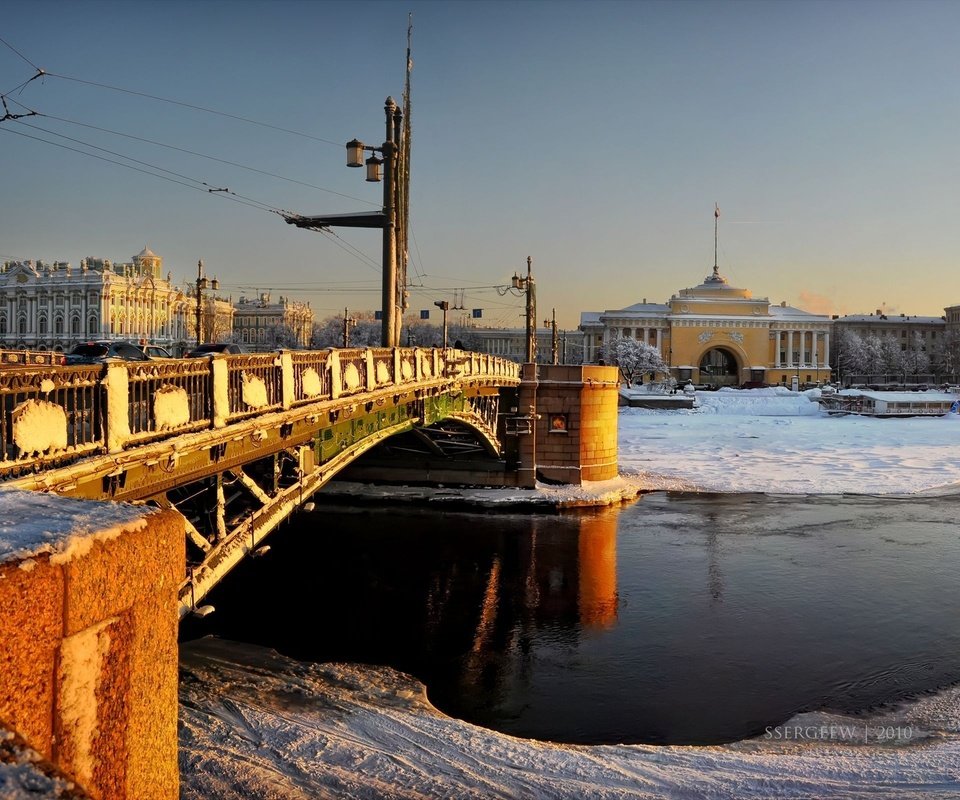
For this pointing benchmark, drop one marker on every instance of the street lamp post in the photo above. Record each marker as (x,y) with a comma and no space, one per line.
(528,285)
(202,285)
(444,306)
(391,219)
(389,151)
(348,323)
(554,349)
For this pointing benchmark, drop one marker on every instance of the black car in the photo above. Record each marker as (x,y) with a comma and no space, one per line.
(212,349)
(99,352)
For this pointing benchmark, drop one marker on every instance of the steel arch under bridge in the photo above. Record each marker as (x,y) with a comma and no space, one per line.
(236,443)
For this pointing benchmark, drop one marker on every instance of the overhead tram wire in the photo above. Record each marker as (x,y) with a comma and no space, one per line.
(207,186)
(14,49)
(198,155)
(228,196)
(195,107)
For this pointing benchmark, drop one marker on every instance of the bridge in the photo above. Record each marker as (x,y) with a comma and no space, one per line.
(238,443)
(220,451)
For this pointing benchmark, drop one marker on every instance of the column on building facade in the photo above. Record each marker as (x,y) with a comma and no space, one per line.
(660,341)
(776,352)
(815,349)
(826,348)
(646,335)
(789,348)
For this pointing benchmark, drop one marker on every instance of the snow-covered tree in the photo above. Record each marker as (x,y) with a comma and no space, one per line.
(874,361)
(634,358)
(280,337)
(894,361)
(851,353)
(916,358)
(329,333)
(945,355)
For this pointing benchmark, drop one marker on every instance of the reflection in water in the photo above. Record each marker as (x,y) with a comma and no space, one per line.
(597,596)
(561,578)
(680,619)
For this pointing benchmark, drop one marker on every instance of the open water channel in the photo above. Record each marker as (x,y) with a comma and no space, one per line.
(682,618)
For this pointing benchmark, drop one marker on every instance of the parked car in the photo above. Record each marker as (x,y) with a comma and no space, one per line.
(99,352)
(212,349)
(155,351)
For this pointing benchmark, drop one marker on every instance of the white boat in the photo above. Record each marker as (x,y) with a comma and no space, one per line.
(890,404)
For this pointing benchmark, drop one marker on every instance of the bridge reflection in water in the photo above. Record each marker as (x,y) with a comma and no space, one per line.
(236,443)
(468,606)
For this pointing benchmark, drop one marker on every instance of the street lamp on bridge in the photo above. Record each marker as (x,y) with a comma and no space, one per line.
(527,285)
(202,285)
(390,218)
(554,349)
(444,306)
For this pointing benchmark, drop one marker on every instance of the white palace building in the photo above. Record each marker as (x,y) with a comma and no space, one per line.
(55,306)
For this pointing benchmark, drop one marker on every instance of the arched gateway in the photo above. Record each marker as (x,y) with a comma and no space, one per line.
(719,367)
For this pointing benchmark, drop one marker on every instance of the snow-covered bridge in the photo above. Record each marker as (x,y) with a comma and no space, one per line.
(237,443)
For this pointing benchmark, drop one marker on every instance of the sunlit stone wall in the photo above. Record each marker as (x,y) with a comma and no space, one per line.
(88,654)
(576,432)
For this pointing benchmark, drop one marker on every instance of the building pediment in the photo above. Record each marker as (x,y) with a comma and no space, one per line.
(22,272)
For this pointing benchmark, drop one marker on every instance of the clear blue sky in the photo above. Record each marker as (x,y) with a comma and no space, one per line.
(594,137)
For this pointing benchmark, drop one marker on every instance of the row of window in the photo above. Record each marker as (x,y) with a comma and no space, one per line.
(42,326)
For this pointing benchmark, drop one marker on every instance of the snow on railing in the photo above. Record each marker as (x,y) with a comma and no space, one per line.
(50,411)
(52,415)
(254,384)
(311,376)
(168,396)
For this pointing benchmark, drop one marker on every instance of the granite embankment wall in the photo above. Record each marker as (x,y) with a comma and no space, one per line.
(88,653)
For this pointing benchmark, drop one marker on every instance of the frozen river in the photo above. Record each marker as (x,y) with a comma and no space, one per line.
(764,601)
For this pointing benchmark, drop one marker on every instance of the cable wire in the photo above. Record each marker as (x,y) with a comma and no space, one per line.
(235,198)
(199,155)
(20,54)
(195,107)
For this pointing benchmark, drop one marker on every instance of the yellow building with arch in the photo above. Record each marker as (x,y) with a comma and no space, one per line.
(720,335)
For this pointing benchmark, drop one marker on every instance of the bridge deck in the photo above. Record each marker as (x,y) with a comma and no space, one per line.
(277,426)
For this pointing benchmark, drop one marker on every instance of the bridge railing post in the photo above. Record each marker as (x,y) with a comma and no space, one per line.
(287,384)
(371,370)
(336,379)
(436,364)
(117,384)
(220,390)
(397,367)
(417,371)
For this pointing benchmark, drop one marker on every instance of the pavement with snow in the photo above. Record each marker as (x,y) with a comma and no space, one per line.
(257,725)
(254,724)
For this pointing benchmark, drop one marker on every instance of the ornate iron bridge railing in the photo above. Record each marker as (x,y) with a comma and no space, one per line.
(54,415)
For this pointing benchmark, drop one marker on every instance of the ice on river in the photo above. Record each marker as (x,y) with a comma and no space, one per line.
(770,440)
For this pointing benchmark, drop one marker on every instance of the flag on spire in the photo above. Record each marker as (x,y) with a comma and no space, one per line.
(716,211)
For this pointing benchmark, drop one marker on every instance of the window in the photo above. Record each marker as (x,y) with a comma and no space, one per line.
(75,326)
(42,326)
(22,326)
(3,326)
(58,326)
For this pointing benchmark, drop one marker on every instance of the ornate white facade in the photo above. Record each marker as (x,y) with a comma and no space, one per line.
(55,306)
(262,325)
